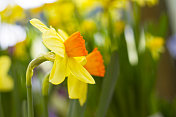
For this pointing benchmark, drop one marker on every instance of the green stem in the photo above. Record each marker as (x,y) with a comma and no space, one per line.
(29,73)
(24,109)
(72,111)
(1,107)
(45,87)
(30,104)
(45,105)
(34,63)
(15,94)
(108,87)
(75,110)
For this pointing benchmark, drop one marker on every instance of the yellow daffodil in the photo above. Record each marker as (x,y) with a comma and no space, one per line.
(65,49)
(94,65)
(6,82)
(93,62)
(155,45)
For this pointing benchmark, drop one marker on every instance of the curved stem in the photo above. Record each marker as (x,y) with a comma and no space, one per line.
(29,73)
(34,63)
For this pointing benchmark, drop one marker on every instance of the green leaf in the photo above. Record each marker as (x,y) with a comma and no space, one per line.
(108,86)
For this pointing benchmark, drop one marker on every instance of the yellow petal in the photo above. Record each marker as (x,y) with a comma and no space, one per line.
(77,89)
(39,25)
(83,94)
(6,83)
(53,42)
(73,87)
(4,65)
(82,60)
(51,39)
(63,34)
(79,71)
(58,71)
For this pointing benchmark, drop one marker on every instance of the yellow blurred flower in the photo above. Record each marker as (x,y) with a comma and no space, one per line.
(37,10)
(59,13)
(155,45)
(87,5)
(146,2)
(20,50)
(6,82)
(88,26)
(65,49)
(12,14)
(114,3)
(119,27)
(105,3)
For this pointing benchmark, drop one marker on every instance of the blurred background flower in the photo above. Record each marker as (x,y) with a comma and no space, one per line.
(134,38)
(6,80)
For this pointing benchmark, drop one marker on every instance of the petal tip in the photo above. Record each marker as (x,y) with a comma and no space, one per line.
(38,24)
(92,81)
(55,82)
(32,21)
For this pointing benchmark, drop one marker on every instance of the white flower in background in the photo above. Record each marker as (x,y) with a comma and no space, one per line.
(11,34)
(5,3)
(131,46)
(26,4)
(37,48)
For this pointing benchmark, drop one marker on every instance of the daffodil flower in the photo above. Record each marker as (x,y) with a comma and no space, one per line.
(65,49)
(94,65)
(155,45)
(12,13)
(146,2)
(6,82)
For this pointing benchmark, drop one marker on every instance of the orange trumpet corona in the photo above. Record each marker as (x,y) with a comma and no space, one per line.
(75,45)
(95,64)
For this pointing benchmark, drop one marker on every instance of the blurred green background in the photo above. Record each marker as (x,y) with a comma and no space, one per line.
(135,37)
